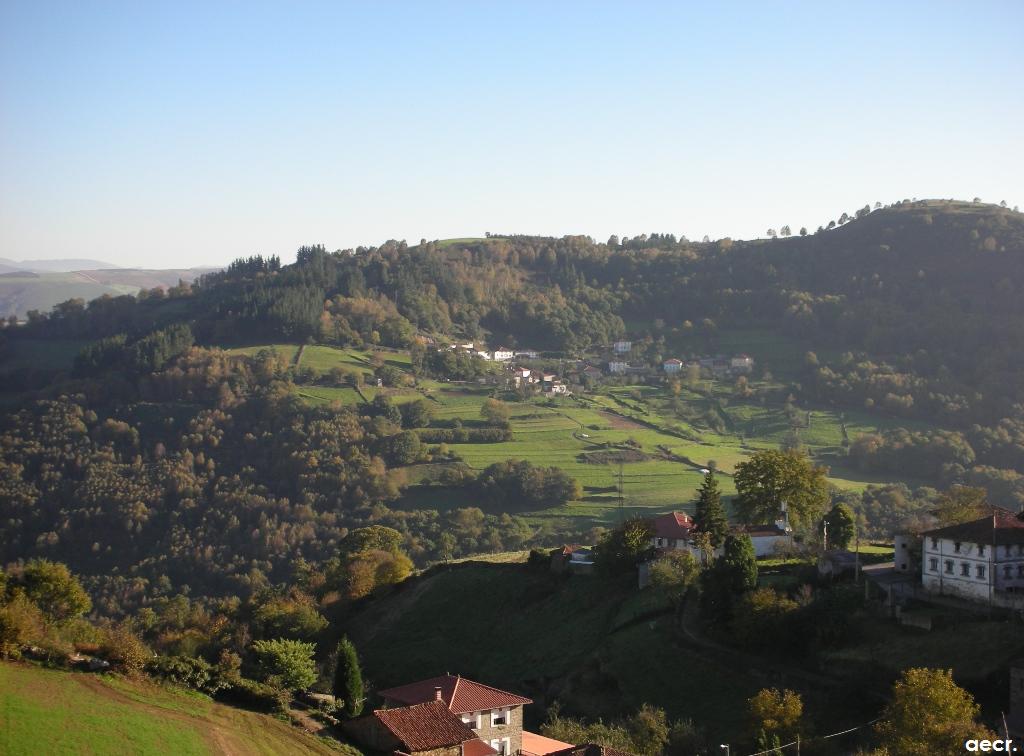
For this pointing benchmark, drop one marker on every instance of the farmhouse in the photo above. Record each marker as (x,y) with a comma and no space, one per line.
(591,372)
(494,716)
(573,558)
(424,728)
(768,540)
(617,367)
(502,354)
(527,354)
(672,365)
(741,364)
(981,560)
(621,347)
(672,531)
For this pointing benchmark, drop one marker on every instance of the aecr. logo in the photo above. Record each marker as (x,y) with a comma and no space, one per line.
(989,746)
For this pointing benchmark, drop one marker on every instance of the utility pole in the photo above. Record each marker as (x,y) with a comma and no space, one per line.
(621,493)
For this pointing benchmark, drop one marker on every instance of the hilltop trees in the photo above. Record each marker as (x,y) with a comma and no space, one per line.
(771,481)
(710,514)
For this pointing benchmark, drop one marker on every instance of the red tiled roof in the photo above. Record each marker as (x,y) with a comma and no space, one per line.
(1001,527)
(538,745)
(425,726)
(673,525)
(477,748)
(461,695)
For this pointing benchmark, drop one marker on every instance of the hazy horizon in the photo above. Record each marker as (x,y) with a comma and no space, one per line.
(188,135)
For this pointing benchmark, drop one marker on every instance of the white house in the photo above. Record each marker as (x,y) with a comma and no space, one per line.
(981,560)
(741,364)
(672,365)
(502,354)
(527,354)
(621,347)
(769,539)
(618,366)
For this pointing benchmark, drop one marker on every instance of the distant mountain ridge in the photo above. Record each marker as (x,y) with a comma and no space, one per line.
(24,290)
(66,265)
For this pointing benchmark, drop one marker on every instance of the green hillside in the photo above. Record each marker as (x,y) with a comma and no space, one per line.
(574,641)
(47,711)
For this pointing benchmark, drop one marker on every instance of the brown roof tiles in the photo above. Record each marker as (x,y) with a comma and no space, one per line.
(425,726)
(461,695)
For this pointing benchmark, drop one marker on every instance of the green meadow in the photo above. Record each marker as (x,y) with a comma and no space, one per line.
(56,712)
(671,433)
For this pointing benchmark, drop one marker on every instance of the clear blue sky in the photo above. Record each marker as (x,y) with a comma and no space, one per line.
(179,133)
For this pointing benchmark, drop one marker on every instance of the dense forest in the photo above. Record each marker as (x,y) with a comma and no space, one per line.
(159,464)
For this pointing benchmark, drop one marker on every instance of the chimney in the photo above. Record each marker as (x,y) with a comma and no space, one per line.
(437,693)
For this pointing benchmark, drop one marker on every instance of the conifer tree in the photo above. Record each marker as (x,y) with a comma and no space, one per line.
(710,516)
(348,678)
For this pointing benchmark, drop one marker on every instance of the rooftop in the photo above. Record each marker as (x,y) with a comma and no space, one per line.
(425,726)
(999,528)
(461,695)
(538,745)
(673,525)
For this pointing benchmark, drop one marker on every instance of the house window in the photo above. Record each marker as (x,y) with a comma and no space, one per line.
(981,549)
(956,547)
(979,571)
(502,745)
(499,717)
(1020,570)
(949,566)
(1008,571)
(933,564)
(935,544)
(965,569)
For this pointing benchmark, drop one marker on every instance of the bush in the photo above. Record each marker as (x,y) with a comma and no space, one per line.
(286,663)
(256,695)
(122,648)
(186,671)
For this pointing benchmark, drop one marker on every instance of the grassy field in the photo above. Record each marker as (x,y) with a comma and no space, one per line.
(673,434)
(49,711)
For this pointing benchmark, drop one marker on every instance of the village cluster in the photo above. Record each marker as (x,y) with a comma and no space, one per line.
(615,359)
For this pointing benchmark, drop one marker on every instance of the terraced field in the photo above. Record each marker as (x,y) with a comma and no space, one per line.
(583,435)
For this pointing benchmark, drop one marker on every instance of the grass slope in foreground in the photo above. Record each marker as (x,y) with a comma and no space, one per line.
(48,711)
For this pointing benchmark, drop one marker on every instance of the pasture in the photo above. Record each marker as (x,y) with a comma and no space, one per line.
(50,711)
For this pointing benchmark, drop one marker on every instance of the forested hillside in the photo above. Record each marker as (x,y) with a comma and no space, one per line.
(159,463)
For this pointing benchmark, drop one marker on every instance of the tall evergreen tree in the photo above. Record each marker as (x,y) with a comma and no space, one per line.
(348,678)
(710,516)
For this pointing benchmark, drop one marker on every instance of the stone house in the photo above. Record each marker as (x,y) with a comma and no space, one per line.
(424,729)
(494,716)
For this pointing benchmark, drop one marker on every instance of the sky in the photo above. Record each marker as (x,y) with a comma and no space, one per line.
(173,134)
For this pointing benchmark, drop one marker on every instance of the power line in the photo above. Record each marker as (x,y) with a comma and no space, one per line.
(816,737)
